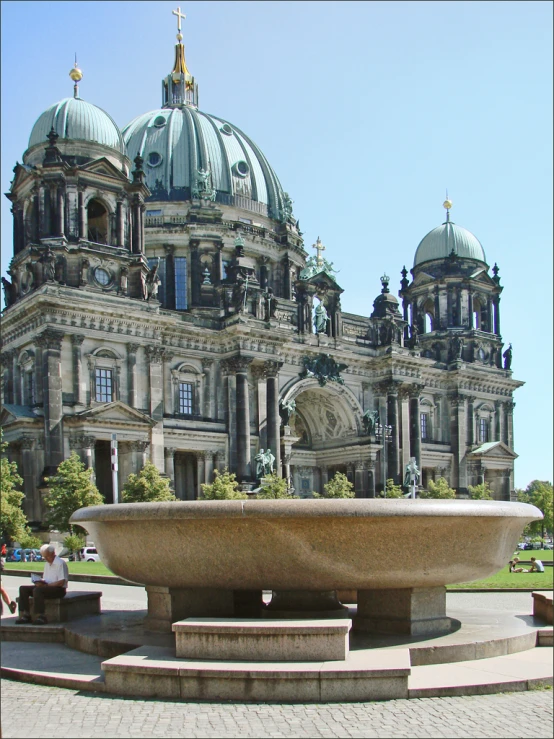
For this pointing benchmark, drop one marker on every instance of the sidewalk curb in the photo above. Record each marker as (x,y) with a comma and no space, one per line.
(113,580)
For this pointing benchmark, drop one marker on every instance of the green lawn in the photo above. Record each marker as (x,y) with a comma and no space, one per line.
(75,568)
(502,579)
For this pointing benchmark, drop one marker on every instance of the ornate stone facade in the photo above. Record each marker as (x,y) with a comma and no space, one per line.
(200,317)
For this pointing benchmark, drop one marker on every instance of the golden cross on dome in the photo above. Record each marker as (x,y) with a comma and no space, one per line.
(318,246)
(179,16)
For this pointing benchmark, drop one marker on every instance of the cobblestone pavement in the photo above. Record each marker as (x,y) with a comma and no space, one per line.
(38,711)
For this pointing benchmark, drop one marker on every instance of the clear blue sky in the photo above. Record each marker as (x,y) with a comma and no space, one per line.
(367,111)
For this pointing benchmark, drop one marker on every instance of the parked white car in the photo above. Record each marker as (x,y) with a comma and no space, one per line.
(89,554)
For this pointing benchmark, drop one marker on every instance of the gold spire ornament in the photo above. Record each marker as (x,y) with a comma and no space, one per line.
(447,205)
(76,75)
(318,246)
(180,66)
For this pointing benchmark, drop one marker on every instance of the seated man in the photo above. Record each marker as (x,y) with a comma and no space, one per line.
(52,585)
(536,565)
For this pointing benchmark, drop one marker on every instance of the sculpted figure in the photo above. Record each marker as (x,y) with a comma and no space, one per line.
(508,357)
(321,318)
(286,410)
(370,420)
(49,266)
(269,461)
(260,464)
(411,471)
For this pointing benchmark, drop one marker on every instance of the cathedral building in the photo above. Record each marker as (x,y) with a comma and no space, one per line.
(161,295)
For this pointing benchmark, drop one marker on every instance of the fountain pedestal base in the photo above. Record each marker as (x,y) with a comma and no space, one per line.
(412,611)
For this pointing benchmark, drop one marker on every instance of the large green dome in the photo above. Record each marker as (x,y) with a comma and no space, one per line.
(76,120)
(178,142)
(445,239)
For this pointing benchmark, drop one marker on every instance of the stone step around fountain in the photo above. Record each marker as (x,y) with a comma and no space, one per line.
(262,640)
(156,672)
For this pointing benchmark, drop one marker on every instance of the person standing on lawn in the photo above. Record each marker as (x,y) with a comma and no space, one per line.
(52,585)
(536,565)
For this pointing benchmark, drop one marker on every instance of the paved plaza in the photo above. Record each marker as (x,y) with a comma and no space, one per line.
(37,711)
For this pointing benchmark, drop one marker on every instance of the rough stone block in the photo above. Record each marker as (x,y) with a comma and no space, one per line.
(73,605)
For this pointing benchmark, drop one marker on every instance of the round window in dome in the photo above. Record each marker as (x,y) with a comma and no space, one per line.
(102,276)
(154,159)
(241,168)
(160,121)
(226,129)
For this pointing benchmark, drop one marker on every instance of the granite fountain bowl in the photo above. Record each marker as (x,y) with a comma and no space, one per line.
(321,545)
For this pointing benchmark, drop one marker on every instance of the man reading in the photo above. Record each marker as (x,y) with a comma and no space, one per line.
(53,584)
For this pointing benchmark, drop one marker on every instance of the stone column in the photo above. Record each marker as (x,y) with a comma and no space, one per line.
(457,441)
(16,379)
(414,392)
(31,502)
(7,364)
(209,390)
(60,212)
(155,376)
(220,460)
(470,308)
(120,224)
(470,421)
(359,480)
(259,373)
(52,394)
(323,477)
(393,456)
(229,411)
(132,399)
(509,422)
(169,456)
(496,303)
(78,390)
(81,208)
(200,471)
(371,478)
(498,430)
(240,367)
(84,446)
(138,453)
(273,418)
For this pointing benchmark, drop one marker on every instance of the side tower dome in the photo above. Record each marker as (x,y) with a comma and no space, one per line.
(84,131)
(452,306)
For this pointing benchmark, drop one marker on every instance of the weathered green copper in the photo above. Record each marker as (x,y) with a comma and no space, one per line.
(445,239)
(77,120)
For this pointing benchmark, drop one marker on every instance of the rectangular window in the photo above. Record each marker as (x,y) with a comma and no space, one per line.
(185,398)
(152,261)
(483,430)
(180,283)
(103,385)
(424,426)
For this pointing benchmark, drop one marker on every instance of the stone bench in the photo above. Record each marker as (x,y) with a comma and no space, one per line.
(74,604)
(542,605)
(262,640)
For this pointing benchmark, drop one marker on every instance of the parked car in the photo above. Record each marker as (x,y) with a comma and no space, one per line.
(15,555)
(89,554)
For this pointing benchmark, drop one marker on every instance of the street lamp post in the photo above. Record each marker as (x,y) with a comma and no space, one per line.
(383,432)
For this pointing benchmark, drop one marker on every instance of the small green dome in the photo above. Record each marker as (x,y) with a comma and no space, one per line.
(445,239)
(77,120)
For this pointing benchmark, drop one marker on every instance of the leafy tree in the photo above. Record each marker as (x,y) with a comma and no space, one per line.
(439,489)
(74,542)
(13,522)
(70,488)
(539,493)
(30,541)
(146,487)
(224,487)
(481,491)
(392,490)
(339,487)
(274,486)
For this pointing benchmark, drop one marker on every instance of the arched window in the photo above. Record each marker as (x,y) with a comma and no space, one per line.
(97,216)
(428,310)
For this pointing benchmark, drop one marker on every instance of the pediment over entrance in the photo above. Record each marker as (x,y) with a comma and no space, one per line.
(493,449)
(115,412)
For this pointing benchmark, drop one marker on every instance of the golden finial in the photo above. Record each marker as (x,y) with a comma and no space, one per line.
(75,73)
(447,203)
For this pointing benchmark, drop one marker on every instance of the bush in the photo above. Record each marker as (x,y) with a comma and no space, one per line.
(224,487)
(30,541)
(147,487)
(480,492)
(70,488)
(392,490)
(439,489)
(338,487)
(274,486)
(74,542)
